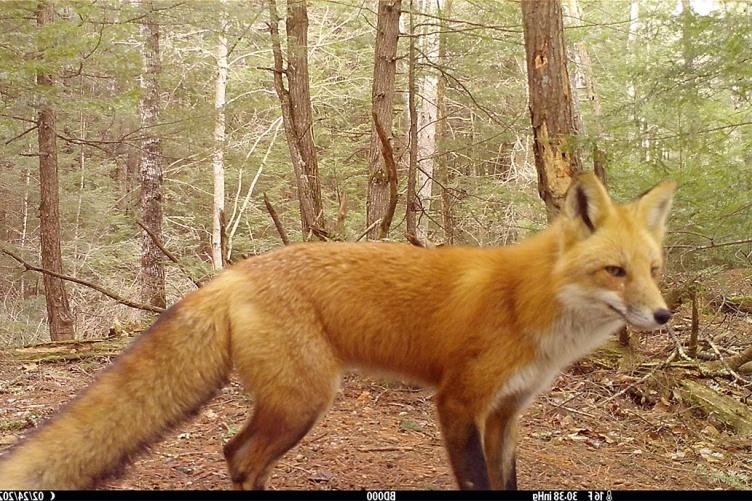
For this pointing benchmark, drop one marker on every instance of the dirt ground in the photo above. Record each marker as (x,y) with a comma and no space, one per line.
(597,428)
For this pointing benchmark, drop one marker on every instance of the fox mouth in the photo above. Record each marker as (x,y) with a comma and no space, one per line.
(618,312)
(634,319)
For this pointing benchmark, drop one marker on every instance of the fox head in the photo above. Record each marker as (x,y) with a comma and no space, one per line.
(611,255)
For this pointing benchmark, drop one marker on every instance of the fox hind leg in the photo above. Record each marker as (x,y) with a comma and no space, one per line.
(252,453)
(293,385)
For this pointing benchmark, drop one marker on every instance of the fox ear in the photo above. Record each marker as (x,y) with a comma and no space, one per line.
(587,201)
(654,205)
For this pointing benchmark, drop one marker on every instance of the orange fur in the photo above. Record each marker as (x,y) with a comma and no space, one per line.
(489,328)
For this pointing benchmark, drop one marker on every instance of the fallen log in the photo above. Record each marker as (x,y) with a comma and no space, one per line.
(726,409)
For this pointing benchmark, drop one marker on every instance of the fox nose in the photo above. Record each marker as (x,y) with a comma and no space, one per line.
(662,315)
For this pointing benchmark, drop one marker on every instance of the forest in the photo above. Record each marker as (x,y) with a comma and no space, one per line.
(149,144)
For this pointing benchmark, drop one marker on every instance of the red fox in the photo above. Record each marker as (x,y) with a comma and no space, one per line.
(488,328)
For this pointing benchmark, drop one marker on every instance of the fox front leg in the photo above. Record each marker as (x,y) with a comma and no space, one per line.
(500,441)
(462,438)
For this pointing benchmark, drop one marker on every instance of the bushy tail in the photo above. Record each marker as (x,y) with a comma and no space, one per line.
(166,374)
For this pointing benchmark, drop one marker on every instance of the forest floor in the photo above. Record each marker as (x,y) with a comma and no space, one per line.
(610,422)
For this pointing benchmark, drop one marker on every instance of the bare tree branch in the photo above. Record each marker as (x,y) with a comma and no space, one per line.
(19,136)
(713,245)
(370,227)
(391,169)
(98,288)
(277,222)
(167,253)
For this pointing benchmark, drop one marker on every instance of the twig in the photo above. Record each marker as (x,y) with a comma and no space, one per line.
(98,288)
(385,448)
(156,241)
(575,411)
(341,214)
(277,222)
(167,253)
(319,437)
(713,245)
(654,425)
(560,405)
(419,243)
(639,381)
(725,363)
(414,240)
(370,227)
(21,134)
(295,467)
(679,347)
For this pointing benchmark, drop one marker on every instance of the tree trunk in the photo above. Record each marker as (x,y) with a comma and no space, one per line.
(218,162)
(634,10)
(152,268)
(556,158)
(632,50)
(309,191)
(442,166)
(25,221)
(128,178)
(427,116)
(5,172)
(689,120)
(584,69)
(300,101)
(382,96)
(411,202)
(59,317)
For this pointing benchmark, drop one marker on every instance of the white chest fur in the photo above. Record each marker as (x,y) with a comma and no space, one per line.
(572,336)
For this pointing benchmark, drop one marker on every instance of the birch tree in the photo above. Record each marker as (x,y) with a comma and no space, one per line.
(634,27)
(218,163)
(428,112)
(584,73)
(441,184)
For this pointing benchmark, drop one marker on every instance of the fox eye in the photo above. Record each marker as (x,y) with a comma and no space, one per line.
(654,271)
(616,271)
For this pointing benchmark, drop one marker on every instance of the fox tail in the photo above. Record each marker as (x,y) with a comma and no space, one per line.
(166,374)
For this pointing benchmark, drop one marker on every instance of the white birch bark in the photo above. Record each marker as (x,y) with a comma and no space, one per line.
(82,172)
(634,25)
(583,74)
(427,97)
(218,163)
(237,215)
(25,223)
